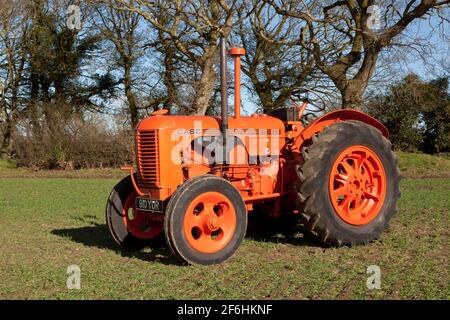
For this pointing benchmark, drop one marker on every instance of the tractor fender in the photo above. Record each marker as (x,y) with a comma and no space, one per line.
(330,118)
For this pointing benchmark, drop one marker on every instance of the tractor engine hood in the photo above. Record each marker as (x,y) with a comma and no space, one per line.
(165,122)
(160,140)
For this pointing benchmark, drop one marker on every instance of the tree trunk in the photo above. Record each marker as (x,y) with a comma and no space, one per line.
(264,93)
(205,85)
(168,76)
(5,146)
(6,140)
(352,94)
(132,107)
(10,122)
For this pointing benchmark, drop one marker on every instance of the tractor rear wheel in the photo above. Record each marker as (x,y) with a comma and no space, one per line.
(206,220)
(348,185)
(132,229)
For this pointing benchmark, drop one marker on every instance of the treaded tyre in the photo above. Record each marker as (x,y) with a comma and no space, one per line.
(131,229)
(348,186)
(206,221)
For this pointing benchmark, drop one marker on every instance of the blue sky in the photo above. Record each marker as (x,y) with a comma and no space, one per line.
(435,63)
(437,58)
(439,38)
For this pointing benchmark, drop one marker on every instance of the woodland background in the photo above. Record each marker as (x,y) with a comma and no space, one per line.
(72,91)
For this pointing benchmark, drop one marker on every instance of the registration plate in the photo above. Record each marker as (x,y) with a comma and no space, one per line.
(146,204)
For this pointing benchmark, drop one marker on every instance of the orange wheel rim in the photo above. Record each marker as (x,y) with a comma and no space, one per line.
(357,185)
(139,223)
(209,222)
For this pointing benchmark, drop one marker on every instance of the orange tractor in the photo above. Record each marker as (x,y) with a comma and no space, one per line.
(198,177)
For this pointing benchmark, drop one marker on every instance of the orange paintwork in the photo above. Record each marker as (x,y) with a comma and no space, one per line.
(237,53)
(165,161)
(136,188)
(160,112)
(141,224)
(246,177)
(170,131)
(341,115)
(301,109)
(264,197)
(209,222)
(357,185)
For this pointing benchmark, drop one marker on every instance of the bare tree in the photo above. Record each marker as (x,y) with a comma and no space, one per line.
(178,75)
(278,67)
(13,32)
(121,28)
(346,37)
(194,27)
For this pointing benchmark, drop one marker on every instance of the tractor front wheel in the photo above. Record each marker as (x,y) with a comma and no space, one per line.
(131,228)
(206,220)
(348,185)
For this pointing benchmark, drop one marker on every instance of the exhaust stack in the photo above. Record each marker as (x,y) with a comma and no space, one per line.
(223,95)
(236,53)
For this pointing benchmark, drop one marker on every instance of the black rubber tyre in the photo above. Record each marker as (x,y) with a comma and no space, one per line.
(116,225)
(177,209)
(318,215)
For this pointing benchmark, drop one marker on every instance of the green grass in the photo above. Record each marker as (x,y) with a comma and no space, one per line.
(106,173)
(412,165)
(418,165)
(49,224)
(56,219)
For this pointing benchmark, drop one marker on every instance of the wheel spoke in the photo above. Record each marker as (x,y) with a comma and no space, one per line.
(221,221)
(195,221)
(342,190)
(348,168)
(345,204)
(371,196)
(350,202)
(341,178)
(359,164)
(208,208)
(358,203)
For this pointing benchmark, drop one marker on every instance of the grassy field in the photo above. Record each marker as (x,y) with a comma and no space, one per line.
(51,223)
(412,165)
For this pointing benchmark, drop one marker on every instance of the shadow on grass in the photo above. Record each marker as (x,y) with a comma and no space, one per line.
(98,236)
(283,230)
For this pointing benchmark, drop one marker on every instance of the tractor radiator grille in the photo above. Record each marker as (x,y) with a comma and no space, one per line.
(147,158)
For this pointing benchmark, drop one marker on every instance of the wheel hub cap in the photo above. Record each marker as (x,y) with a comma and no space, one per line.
(357,185)
(209,222)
